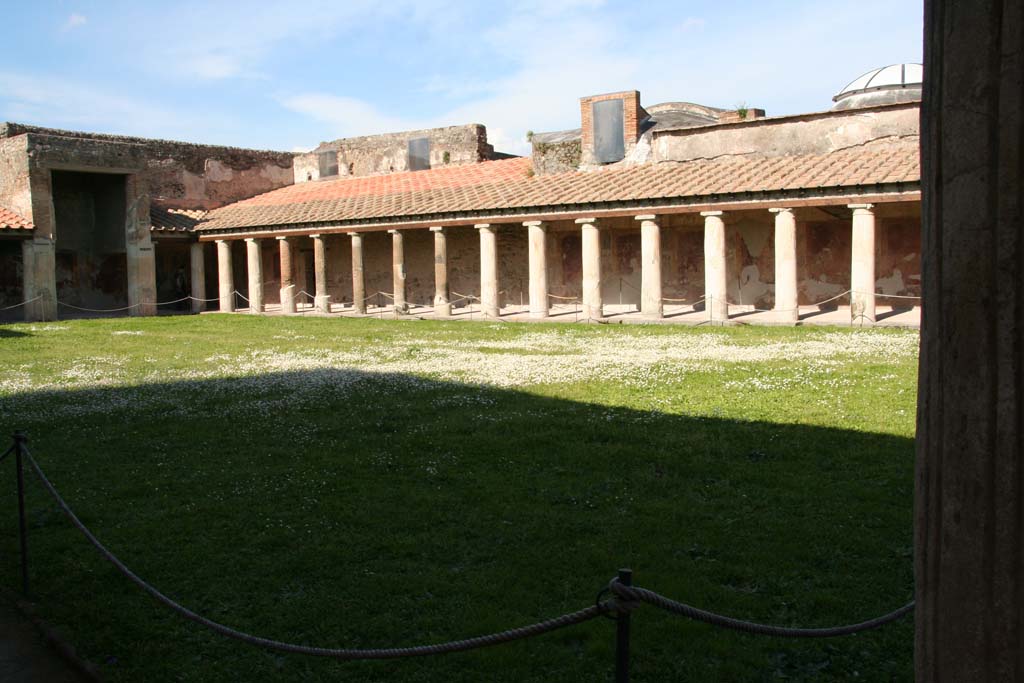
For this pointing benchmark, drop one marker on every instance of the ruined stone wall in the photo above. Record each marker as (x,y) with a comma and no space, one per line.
(823,261)
(389,152)
(15,192)
(750,259)
(176,174)
(804,134)
(463,262)
(556,156)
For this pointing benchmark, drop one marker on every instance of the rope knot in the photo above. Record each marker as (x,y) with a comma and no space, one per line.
(626,598)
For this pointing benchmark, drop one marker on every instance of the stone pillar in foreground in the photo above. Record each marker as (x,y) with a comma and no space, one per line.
(225,277)
(39,278)
(398,270)
(650,267)
(488,270)
(442,295)
(540,303)
(969,508)
(786,304)
(254,256)
(197,276)
(593,300)
(321,300)
(358,286)
(288,291)
(715,285)
(862,264)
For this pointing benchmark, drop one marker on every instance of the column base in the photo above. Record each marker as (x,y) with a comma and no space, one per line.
(443,310)
(539,315)
(288,299)
(322,304)
(653,311)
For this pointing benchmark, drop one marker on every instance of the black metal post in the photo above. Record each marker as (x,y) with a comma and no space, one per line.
(19,448)
(622,634)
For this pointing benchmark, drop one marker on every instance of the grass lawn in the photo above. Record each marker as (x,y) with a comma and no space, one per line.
(364,483)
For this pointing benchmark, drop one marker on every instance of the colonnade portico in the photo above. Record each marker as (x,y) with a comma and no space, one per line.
(595,235)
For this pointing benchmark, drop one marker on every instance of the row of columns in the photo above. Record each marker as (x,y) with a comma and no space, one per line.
(862,276)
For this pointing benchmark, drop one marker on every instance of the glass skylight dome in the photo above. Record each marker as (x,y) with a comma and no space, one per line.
(888,85)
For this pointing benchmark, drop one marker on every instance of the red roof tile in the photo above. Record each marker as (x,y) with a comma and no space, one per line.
(174,220)
(12,221)
(509,184)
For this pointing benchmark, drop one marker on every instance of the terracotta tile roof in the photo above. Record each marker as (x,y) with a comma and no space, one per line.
(508,185)
(174,220)
(12,221)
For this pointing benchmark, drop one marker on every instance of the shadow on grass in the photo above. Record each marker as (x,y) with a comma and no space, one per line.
(341,508)
(8,333)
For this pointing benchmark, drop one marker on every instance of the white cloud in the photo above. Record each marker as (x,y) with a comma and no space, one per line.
(73,21)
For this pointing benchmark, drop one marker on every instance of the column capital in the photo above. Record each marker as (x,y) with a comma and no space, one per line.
(484,226)
(586,221)
(706,214)
(354,234)
(315,237)
(252,239)
(781,209)
(535,224)
(646,217)
(394,232)
(437,228)
(862,207)
(282,237)
(220,241)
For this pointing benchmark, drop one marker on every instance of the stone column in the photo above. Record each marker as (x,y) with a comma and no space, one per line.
(540,303)
(398,269)
(254,253)
(358,287)
(197,275)
(488,270)
(442,295)
(969,508)
(862,266)
(139,250)
(786,304)
(593,300)
(288,291)
(321,300)
(225,277)
(715,287)
(650,266)
(39,278)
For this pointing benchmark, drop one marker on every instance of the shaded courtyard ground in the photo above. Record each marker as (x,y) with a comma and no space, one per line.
(372,483)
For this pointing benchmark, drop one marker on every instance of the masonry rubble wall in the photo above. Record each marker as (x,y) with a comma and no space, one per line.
(389,152)
(15,188)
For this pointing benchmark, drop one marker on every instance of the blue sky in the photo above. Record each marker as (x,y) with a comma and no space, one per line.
(286,75)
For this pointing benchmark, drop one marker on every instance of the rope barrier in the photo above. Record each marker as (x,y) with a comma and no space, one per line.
(635,594)
(490,639)
(22,303)
(626,598)
(100,310)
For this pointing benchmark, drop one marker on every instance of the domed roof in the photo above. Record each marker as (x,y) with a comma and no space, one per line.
(887,85)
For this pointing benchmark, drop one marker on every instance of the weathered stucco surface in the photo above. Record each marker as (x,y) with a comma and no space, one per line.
(807,134)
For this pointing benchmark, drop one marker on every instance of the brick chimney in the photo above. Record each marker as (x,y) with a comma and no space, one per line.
(600,116)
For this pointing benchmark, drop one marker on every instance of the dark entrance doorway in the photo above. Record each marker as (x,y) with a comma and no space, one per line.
(91,260)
